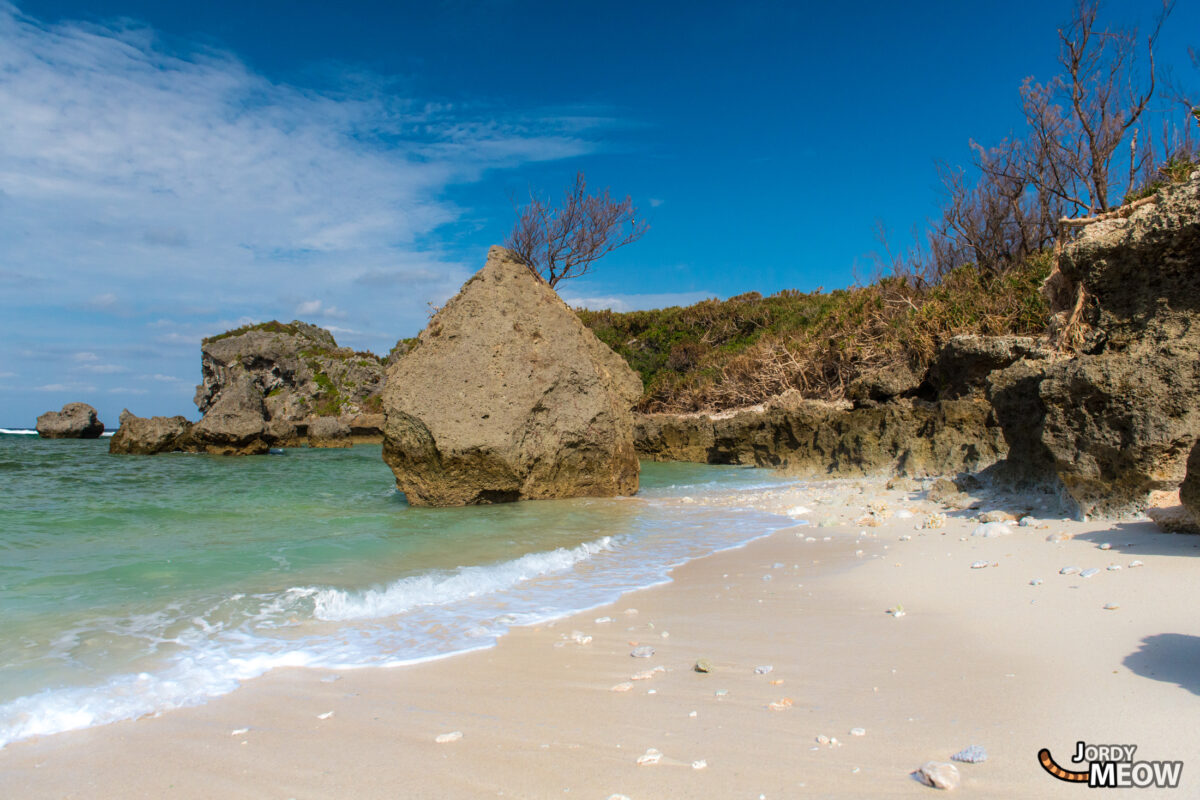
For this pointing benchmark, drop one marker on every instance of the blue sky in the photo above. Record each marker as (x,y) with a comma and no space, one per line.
(172,170)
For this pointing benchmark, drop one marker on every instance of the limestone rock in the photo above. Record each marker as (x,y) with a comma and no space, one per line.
(1121,417)
(1189,490)
(298,370)
(75,421)
(939,775)
(964,363)
(236,424)
(150,435)
(881,385)
(507,396)
(328,432)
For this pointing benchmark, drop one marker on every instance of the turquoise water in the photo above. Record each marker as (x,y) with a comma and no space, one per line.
(130,585)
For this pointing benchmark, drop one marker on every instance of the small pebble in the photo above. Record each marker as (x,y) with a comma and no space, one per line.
(622,687)
(331,678)
(446,738)
(1089,572)
(693,714)
(822,739)
(721,693)
(631,612)
(780,705)
(645,651)
(1055,538)
(763,670)
(1068,571)
(939,775)
(650,757)
(979,565)
(858,731)
(975,754)
(1136,563)
(618,797)
(1036,582)
(239,732)
(603,620)
(326,715)
(990,530)
(701,764)
(703,665)
(1111,606)
(1106,546)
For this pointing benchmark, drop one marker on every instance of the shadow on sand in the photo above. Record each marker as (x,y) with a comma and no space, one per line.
(1170,657)
(1143,538)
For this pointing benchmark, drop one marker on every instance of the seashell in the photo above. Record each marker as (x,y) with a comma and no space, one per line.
(331,679)
(780,705)
(905,538)
(701,764)
(631,612)
(647,674)
(603,620)
(1106,546)
(721,693)
(979,565)
(1137,562)
(897,611)
(446,738)
(763,669)
(326,715)
(1113,567)
(650,757)
(935,520)
(693,714)
(644,651)
(975,754)
(796,511)
(1059,536)
(1069,571)
(858,731)
(777,682)
(579,637)
(239,732)
(703,665)
(1089,572)
(822,739)
(904,513)
(622,687)
(939,775)
(1111,606)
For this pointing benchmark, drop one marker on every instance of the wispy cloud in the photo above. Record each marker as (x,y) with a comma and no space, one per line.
(141,182)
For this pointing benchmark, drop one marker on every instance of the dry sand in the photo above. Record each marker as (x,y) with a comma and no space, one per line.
(980,656)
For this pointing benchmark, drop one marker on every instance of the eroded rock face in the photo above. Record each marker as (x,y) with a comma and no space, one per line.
(806,437)
(1189,490)
(150,435)
(236,424)
(507,396)
(328,432)
(75,421)
(297,369)
(964,363)
(1122,417)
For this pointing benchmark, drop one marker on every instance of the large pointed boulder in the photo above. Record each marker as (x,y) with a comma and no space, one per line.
(507,396)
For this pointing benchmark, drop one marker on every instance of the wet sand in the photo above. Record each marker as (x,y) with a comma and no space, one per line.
(979,656)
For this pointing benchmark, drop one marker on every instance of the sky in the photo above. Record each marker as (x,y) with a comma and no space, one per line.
(169,171)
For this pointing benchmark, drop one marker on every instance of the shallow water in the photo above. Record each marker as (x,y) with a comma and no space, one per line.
(130,584)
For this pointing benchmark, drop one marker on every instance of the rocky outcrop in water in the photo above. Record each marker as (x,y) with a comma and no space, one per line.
(75,421)
(150,435)
(235,424)
(297,370)
(507,396)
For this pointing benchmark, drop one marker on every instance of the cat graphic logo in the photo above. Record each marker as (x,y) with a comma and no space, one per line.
(1111,766)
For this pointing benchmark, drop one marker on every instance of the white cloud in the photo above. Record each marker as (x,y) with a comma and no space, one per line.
(105,369)
(65,387)
(166,378)
(636,302)
(8,374)
(86,357)
(125,390)
(309,307)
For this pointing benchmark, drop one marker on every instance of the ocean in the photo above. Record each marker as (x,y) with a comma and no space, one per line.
(132,585)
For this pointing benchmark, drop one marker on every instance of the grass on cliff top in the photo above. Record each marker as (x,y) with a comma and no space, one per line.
(274,326)
(721,354)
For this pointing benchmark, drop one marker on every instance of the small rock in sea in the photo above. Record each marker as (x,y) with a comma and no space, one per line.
(622,687)
(1057,537)
(991,530)
(979,565)
(447,738)
(700,764)
(650,757)
(703,665)
(1106,546)
(1113,567)
(1137,562)
(326,715)
(858,731)
(822,739)
(975,754)
(1111,606)
(1036,582)
(1089,572)
(763,669)
(644,651)
(939,775)
(996,516)
(1069,571)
